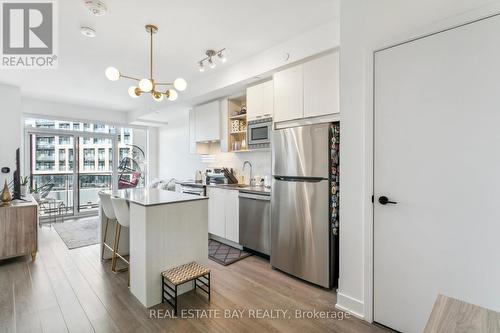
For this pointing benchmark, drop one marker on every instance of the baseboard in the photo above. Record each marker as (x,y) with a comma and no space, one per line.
(225,241)
(351,305)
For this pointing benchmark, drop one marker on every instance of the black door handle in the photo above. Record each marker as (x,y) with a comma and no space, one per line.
(383,200)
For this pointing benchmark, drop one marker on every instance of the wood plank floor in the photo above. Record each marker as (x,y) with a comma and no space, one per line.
(73,291)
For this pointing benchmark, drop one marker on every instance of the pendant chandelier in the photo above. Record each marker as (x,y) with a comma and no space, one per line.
(148,85)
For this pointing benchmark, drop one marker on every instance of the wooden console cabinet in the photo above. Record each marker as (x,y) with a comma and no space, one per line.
(18,229)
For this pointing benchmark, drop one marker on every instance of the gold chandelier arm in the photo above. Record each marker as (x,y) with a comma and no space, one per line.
(129,77)
(164,84)
(151,56)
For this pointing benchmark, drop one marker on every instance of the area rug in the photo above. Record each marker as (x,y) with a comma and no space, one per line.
(79,232)
(225,254)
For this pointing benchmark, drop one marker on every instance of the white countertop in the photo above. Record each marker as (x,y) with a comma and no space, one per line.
(154,196)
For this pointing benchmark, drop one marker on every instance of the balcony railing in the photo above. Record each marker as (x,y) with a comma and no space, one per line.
(60,199)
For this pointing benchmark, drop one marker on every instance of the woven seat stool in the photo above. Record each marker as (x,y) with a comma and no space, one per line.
(183,274)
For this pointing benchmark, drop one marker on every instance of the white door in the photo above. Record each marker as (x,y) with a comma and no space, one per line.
(437,154)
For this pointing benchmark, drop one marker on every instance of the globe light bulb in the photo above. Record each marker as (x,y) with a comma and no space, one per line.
(157,96)
(134,92)
(211,63)
(180,84)
(172,95)
(222,57)
(146,85)
(112,73)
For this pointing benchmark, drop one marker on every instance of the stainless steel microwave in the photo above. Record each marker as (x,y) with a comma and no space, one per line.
(259,133)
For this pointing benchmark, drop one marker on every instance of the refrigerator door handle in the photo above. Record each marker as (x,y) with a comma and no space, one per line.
(300,179)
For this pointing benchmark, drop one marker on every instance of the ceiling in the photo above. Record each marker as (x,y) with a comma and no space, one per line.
(186,29)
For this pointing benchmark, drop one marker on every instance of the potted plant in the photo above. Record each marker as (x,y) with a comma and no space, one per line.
(24,185)
(35,192)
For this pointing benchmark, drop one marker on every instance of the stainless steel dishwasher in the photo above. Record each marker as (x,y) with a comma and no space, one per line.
(255,217)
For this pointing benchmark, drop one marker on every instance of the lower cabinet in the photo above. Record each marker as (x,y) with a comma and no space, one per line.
(232,213)
(223,213)
(18,230)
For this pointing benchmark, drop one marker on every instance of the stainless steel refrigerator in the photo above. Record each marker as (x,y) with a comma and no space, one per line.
(303,240)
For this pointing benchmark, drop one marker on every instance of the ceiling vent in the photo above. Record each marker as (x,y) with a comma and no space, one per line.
(96,7)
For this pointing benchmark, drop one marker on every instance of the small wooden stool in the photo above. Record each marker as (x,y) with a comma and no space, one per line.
(182,274)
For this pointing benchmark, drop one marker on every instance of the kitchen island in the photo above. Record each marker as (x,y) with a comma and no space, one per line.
(167,229)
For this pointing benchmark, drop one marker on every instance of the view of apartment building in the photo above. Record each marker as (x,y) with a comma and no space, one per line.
(55,159)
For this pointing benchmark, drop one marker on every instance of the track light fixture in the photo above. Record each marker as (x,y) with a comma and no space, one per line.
(149,85)
(210,59)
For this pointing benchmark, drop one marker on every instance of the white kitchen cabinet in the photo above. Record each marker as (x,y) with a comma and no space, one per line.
(321,86)
(289,94)
(207,122)
(216,213)
(232,215)
(260,101)
(223,213)
(307,90)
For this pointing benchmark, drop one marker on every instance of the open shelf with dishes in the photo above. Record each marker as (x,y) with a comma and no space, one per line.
(237,124)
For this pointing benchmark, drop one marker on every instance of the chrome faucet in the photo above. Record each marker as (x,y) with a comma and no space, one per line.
(243,170)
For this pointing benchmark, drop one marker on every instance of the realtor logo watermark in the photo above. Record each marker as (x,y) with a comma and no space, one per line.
(28,34)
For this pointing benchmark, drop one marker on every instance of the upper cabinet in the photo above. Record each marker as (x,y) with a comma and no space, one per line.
(207,122)
(321,86)
(260,100)
(307,90)
(289,94)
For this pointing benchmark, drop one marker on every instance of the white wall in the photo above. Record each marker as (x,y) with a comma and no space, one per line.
(10,129)
(68,111)
(364,27)
(175,161)
(153,153)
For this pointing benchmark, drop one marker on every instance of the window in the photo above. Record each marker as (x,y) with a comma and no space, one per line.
(71,159)
(88,159)
(100,128)
(64,140)
(54,159)
(62,159)
(44,124)
(124,152)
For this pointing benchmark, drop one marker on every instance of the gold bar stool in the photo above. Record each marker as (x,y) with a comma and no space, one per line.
(122,212)
(109,213)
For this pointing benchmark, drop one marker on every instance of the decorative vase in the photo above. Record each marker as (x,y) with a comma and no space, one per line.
(6,197)
(24,190)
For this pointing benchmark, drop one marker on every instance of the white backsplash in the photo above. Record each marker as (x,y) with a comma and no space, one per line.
(175,160)
(260,160)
